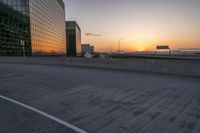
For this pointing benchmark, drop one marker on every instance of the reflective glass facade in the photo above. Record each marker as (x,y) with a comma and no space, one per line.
(18,5)
(14,27)
(73,37)
(41,26)
(47,27)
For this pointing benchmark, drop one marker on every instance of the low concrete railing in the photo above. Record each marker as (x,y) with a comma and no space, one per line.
(175,67)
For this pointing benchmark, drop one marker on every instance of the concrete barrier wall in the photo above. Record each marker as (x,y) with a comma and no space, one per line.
(175,67)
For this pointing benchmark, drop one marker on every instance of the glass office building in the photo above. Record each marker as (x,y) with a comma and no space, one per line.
(73,38)
(39,23)
(14,27)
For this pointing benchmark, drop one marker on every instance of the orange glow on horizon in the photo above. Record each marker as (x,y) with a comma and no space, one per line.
(140,44)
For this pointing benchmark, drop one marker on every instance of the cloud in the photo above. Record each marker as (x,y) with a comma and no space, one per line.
(92,34)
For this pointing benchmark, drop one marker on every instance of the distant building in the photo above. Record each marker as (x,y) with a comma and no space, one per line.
(73,38)
(91,49)
(86,48)
(39,24)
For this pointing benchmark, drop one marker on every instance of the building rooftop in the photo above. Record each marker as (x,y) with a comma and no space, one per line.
(72,23)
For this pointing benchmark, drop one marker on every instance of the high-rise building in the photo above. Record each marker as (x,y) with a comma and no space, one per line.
(40,24)
(73,38)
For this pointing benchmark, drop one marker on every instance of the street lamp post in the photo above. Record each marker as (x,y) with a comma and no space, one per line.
(22,42)
(23,47)
(119,44)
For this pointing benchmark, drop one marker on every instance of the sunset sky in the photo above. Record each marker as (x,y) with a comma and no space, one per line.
(144,23)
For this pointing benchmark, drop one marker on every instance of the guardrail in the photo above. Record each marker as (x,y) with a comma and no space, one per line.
(174,67)
(157,56)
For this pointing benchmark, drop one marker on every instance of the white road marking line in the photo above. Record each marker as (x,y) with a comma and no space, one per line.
(45,114)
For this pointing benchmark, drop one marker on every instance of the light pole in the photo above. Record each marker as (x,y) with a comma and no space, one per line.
(22,42)
(119,44)
(23,47)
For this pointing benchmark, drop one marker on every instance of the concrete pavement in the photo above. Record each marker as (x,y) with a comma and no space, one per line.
(97,101)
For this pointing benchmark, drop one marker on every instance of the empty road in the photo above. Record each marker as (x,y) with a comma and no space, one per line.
(55,99)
